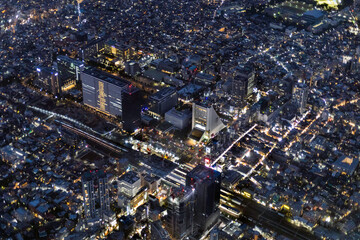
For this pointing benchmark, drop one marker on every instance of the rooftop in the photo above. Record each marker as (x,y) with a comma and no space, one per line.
(106,77)
(163,93)
(314,13)
(93,174)
(130,177)
(201,172)
(346,164)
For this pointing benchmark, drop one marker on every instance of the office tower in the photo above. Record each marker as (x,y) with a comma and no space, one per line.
(180,209)
(206,183)
(299,97)
(163,101)
(48,80)
(103,91)
(69,72)
(113,96)
(95,194)
(243,82)
(205,122)
(355,63)
(81,36)
(103,192)
(88,195)
(132,99)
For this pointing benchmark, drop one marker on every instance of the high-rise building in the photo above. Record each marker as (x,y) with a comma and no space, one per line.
(206,183)
(163,101)
(205,122)
(132,99)
(69,71)
(95,194)
(180,209)
(299,97)
(113,96)
(355,63)
(48,79)
(243,82)
(103,91)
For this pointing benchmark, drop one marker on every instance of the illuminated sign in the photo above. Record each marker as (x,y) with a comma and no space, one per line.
(207,162)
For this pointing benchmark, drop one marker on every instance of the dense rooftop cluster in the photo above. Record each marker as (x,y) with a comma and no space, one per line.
(179,119)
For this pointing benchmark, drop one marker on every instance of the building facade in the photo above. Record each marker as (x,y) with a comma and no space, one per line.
(129,184)
(103,91)
(69,71)
(48,79)
(96,199)
(205,122)
(179,119)
(299,97)
(243,83)
(181,210)
(163,101)
(206,183)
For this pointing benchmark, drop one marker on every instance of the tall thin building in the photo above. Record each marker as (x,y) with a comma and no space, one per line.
(243,82)
(206,183)
(103,189)
(95,194)
(88,195)
(132,100)
(299,97)
(180,218)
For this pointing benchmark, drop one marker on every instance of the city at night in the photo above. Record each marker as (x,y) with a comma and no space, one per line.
(180,119)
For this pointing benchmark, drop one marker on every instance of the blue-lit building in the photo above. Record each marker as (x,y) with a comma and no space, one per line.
(112,95)
(299,97)
(103,91)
